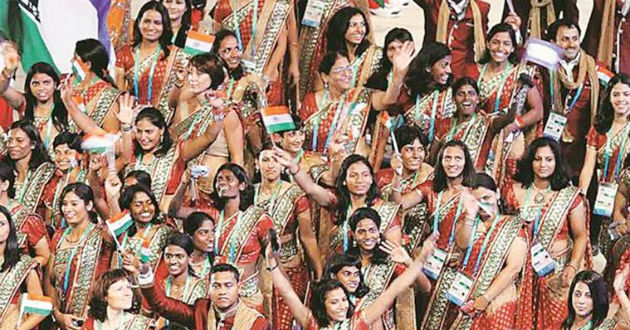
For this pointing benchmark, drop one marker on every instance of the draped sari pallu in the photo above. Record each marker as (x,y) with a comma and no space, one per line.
(98,100)
(157,243)
(474,134)
(543,300)
(313,45)
(198,290)
(34,188)
(437,105)
(351,122)
(11,281)
(501,312)
(89,262)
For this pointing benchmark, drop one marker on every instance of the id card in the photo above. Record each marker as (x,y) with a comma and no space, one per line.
(555,126)
(460,289)
(248,66)
(605,201)
(541,260)
(434,264)
(313,13)
(199,171)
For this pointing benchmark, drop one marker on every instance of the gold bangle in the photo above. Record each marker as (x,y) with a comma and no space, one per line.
(571,265)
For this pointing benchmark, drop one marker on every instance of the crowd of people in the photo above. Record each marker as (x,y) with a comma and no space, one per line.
(457,186)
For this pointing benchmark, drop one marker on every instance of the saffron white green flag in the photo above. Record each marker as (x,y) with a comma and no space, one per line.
(197,43)
(36,304)
(277,119)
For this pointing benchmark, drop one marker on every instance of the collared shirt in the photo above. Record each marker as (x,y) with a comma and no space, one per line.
(569,66)
(459,8)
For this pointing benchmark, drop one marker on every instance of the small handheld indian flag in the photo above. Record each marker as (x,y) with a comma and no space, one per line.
(603,74)
(119,223)
(197,43)
(277,119)
(36,304)
(389,123)
(543,53)
(79,69)
(99,143)
(145,251)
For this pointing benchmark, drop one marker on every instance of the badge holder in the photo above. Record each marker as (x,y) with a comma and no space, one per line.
(313,13)
(605,201)
(555,126)
(460,289)
(542,262)
(434,264)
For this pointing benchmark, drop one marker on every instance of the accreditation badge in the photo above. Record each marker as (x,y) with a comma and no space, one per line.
(555,126)
(542,262)
(605,201)
(434,264)
(460,289)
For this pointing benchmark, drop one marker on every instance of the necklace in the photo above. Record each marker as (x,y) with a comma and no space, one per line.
(540,194)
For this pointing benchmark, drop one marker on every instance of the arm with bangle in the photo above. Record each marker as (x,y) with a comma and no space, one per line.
(407,200)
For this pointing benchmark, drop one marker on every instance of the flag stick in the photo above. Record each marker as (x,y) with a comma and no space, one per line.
(21,313)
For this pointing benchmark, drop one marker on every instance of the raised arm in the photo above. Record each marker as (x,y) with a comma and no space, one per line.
(169,308)
(400,62)
(85,123)
(402,282)
(176,208)
(193,148)
(11,62)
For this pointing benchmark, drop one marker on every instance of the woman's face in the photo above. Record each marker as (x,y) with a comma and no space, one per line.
(357,28)
(620,98)
(393,48)
(120,295)
(230,52)
(544,163)
(582,300)
(42,87)
(366,234)
(500,47)
(488,198)
(65,158)
(148,135)
(441,70)
(413,155)
(74,209)
(199,81)
(227,184)
(453,161)
(340,77)
(337,305)
(270,169)
(4,228)
(19,144)
(142,209)
(150,25)
(466,99)
(358,179)
(349,277)
(176,259)
(175,8)
(292,141)
(203,237)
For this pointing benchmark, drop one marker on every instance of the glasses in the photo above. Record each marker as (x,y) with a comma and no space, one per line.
(356,24)
(346,69)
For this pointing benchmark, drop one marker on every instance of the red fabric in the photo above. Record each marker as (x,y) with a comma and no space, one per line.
(33,227)
(253,247)
(224,8)
(308,107)
(298,276)
(384,177)
(6,114)
(446,225)
(356,323)
(461,33)
(591,38)
(125,60)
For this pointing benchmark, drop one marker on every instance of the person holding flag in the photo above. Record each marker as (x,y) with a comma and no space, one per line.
(18,275)
(81,253)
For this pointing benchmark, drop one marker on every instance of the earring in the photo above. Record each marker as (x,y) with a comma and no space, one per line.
(354,243)
(325,85)
(161,139)
(343,183)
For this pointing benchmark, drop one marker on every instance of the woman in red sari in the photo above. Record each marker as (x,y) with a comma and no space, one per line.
(556,215)
(81,253)
(148,67)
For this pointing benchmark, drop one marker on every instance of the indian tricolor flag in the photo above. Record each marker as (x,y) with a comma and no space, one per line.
(145,251)
(79,69)
(36,304)
(119,223)
(197,43)
(99,143)
(543,53)
(277,119)
(603,74)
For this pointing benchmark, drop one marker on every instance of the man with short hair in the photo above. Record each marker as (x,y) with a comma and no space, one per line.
(222,311)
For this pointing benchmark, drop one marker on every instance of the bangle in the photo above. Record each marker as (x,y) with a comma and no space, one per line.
(271,269)
(518,120)
(571,265)
(296,172)
(398,190)
(126,128)
(179,84)
(485,296)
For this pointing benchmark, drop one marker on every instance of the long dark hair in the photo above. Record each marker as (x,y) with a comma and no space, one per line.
(98,297)
(237,73)
(246,196)
(84,192)
(599,294)
(419,81)
(379,257)
(91,50)
(155,117)
(606,112)
(318,301)
(182,240)
(338,26)
(193,222)
(468,173)
(7,174)
(378,80)
(126,198)
(339,261)
(59,112)
(38,152)
(11,250)
(343,195)
(167,32)
(525,172)
(180,38)
(501,27)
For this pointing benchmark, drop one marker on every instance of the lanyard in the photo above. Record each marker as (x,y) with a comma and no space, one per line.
(22,190)
(66,277)
(463,138)
(230,88)
(471,241)
(49,125)
(136,79)
(576,97)
(484,245)
(436,95)
(497,101)
(538,213)
(217,234)
(458,212)
(608,152)
(333,125)
(58,191)
(274,195)
(169,283)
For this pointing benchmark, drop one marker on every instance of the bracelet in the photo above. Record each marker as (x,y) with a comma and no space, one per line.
(398,190)
(485,296)
(126,128)
(179,84)
(519,122)
(296,172)
(571,265)
(271,269)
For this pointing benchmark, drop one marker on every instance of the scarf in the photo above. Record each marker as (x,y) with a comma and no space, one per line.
(607,34)
(535,15)
(442,27)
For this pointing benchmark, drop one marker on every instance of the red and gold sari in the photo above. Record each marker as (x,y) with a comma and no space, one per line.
(96,100)
(29,192)
(475,133)
(135,322)
(30,228)
(11,284)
